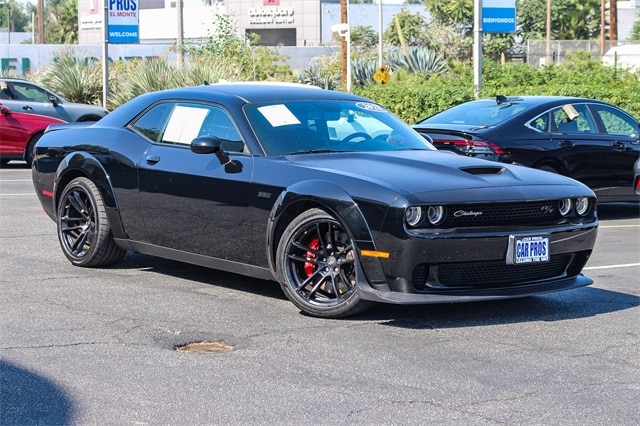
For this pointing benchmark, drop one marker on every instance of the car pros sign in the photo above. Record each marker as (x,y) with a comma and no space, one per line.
(499,16)
(123,21)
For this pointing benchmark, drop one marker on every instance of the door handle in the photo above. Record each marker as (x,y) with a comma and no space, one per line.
(567,144)
(152,159)
(27,108)
(619,146)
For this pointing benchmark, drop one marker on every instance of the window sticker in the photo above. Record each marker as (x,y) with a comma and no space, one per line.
(370,107)
(278,115)
(184,124)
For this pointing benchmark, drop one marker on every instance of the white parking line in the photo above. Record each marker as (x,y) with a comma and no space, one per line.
(624,265)
(620,226)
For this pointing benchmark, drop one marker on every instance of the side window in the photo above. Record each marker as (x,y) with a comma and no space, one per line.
(541,123)
(573,118)
(217,123)
(27,92)
(153,122)
(179,124)
(615,122)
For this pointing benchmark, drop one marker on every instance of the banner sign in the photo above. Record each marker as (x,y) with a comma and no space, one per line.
(499,16)
(123,21)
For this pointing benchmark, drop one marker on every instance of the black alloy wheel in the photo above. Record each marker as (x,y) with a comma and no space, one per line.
(83,227)
(317,266)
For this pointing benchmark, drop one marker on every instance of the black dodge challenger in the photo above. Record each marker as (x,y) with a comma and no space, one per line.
(325,192)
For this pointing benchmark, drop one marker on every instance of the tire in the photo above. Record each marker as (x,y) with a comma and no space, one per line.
(28,152)
(317,266)
(548,168)
(83,227)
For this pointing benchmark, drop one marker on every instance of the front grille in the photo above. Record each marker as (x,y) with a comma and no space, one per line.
(494,274)
(531,213)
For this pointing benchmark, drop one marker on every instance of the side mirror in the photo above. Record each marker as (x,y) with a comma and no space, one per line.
(212,145)
(4,110)
(53,100)
(205,145)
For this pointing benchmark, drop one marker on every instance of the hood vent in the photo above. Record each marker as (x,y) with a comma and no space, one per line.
(491,170)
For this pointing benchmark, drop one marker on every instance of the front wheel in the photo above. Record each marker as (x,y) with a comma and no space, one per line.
(83,227)
(317,267)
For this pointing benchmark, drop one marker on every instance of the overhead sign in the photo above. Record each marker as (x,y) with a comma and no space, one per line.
(123,21)
(499,16)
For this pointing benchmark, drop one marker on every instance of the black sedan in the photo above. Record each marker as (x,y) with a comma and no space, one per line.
(585,139)
(325,192)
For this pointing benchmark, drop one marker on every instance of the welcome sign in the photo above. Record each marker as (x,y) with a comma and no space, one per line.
(499,16)
(123,21)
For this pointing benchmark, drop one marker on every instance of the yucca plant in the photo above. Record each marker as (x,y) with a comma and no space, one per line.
(199,70)
(136,77)
(417,59)
(362,70)
(76,79)
(315,76)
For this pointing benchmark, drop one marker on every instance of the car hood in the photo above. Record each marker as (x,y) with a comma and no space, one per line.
(441,176)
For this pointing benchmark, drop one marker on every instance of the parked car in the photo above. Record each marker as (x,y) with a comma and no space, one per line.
(325,192)
(19,133)
(25,96)
(585,139)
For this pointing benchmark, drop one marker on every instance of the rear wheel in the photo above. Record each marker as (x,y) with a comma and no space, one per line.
(83,227)
(316,263)
(28,152)
(548,168)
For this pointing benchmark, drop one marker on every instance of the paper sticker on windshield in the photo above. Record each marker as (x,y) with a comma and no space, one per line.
(278,115)
(370,107)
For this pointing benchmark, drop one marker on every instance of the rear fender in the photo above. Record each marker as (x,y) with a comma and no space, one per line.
(84,164)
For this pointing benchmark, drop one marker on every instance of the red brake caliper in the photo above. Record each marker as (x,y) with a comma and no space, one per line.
(310,267)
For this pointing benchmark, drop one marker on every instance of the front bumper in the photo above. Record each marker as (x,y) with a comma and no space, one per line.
(471,267)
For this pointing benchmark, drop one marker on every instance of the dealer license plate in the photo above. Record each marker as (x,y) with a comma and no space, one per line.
(531,249)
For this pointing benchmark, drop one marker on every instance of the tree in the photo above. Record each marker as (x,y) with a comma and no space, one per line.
(18,13)
(635,31)
(61,22)
(570,19)
(413,29)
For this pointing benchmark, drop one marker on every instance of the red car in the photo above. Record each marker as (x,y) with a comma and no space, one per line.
(19,132)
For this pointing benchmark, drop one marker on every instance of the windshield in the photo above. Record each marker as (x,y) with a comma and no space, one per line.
(293,127)
(480,113)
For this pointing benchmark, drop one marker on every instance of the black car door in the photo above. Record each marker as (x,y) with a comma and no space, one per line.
(585,153)
(622,130)
(191,202)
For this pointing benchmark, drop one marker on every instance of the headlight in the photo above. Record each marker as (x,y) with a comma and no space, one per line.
(413,215)
(564,206)
(435,214)
(582,206)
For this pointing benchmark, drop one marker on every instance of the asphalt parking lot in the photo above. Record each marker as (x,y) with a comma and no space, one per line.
(98,346)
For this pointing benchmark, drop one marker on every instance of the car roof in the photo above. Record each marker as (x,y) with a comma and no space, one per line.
(259,91)
(539,99)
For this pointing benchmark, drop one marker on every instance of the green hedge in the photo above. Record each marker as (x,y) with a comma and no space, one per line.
(413,97)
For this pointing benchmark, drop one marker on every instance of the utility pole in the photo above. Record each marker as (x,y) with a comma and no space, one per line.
(343,43)
(40,21)
(613,20)
(477,47)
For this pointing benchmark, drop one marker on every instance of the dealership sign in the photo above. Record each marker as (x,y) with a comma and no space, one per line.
(499,16)
(123,24)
